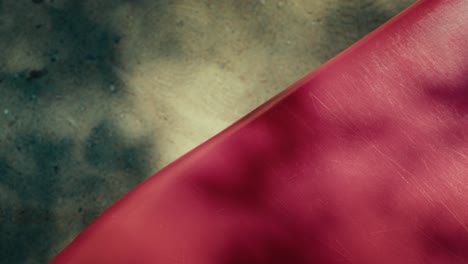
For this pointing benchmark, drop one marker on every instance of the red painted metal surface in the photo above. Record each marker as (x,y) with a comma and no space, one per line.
(363,161)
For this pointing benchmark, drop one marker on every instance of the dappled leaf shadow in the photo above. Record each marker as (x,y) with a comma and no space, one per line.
(444,240)
(349,21)
(27,224)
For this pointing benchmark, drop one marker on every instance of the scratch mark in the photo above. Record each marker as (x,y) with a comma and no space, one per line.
(425,164)
(300,118)
(459,153)
(320,102)
(409,178)
(455,216)
(342,251)
(461,184)
(388,230)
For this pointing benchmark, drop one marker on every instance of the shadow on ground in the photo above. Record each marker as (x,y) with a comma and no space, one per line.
(63,158)
(349,21)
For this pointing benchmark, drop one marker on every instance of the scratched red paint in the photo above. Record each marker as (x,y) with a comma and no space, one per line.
(363,161)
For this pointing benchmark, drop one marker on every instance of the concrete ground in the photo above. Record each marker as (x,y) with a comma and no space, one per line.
(97,95)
